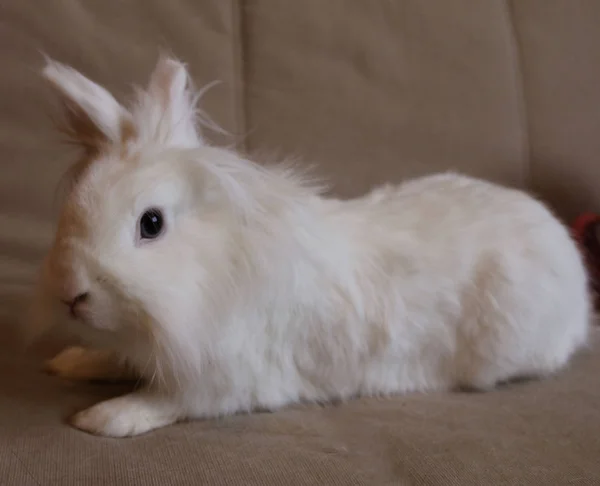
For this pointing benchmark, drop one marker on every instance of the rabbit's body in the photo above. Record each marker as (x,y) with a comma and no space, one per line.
(262,293)
(419,290)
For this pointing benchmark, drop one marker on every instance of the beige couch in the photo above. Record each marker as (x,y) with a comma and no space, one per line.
(372,91)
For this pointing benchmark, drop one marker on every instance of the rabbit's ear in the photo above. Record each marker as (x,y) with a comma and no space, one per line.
(93,116)
(169,106)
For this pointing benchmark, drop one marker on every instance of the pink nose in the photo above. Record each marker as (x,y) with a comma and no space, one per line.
(76,303)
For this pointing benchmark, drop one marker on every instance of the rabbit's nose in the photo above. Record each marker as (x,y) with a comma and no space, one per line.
(76,304)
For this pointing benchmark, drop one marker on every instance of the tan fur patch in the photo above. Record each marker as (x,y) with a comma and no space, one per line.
(80,130)
(128,131)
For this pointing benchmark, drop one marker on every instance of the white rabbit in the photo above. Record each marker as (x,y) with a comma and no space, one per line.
(231,287)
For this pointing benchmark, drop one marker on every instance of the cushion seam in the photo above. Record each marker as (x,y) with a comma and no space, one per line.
(239,67)
(521,92)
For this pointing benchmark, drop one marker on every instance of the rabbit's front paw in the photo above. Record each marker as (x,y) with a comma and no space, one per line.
(126,416)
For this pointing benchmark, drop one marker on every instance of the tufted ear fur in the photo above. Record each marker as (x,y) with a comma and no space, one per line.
(166,110)
(92,115)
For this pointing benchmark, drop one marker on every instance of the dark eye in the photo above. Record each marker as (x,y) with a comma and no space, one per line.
(151,224)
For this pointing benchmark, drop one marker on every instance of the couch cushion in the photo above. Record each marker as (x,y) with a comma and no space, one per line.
(378,91)
(561,79)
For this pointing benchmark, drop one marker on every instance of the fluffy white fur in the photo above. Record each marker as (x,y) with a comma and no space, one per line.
(261,292)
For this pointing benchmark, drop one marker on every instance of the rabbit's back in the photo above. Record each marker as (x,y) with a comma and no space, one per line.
(479,283)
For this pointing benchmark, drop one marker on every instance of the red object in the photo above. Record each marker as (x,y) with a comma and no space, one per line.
(586,231)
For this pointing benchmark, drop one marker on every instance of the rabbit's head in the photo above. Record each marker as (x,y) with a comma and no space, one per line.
(150,219)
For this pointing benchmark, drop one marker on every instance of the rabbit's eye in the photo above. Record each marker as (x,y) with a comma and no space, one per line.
(151,224)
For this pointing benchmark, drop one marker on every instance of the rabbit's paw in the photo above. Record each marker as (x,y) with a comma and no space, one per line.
(70,364)
(126,416)
(81,364)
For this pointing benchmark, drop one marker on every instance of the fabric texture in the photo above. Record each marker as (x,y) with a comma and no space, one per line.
(366,92)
